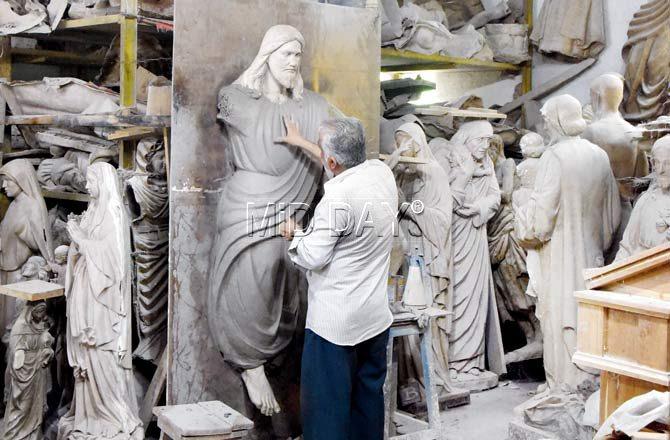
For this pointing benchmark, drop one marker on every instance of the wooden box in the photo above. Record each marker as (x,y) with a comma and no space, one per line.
(624,327)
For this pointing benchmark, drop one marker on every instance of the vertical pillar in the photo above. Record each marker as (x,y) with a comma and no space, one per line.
(527,68)
(128,51)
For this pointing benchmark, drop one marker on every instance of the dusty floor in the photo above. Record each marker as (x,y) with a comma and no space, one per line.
(488,414)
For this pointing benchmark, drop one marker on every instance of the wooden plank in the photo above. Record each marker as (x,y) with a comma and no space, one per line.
(624,368)
(132,133)
(128,61)
(621,270)
(651,436)
(616,389)
(89,22)
(201,419)
(6,58)
(155,390)
(482,113)
(590,329)
(629,336)
(33,290)
(69,139)
(404,159)
(394,60)
(96,120)
(630,303)
(527,69)
(64,195)
(40,56)
(549,86)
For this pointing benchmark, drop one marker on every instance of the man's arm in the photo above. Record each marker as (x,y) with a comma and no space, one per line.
(313,248)
(293,137)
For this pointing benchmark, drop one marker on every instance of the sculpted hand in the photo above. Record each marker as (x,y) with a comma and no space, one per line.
(76,234)
(467,210)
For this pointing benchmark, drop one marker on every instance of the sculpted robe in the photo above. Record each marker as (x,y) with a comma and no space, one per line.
(649,224)
(253,300)
(574,211)
(647,58)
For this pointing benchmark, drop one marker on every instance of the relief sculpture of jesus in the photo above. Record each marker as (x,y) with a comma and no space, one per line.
(254,290)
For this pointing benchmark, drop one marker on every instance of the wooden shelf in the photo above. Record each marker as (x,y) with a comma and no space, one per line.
(64,195)
(96,120)
(39,56)
(394,60)
(111,22)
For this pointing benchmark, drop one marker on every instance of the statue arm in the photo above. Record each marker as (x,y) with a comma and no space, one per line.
(489,205)
(538,217)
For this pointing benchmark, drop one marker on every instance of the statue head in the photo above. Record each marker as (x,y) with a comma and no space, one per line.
(496,148)
(60,254)
(278,60)
(38,313)
(35,268)
(92,184)
(563,117)
(476,137)
(607,93)
(12,189)
(19,176)
(342,143)
(532,145)
(660,159)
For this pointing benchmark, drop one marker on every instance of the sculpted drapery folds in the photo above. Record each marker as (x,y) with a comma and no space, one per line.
(254,290)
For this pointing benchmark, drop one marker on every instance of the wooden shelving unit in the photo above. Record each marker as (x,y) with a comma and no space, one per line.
(393,60)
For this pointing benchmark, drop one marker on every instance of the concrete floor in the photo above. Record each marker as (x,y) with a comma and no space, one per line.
(488,414)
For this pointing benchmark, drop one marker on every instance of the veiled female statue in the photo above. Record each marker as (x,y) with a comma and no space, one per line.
(25,230)
(30,351)
(430,232)
(98,317)
(475,341)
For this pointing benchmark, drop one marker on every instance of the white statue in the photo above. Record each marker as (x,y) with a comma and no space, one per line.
(572,213)
(253,318)
(97,289)
(475,340)
(30,352)
(430,232)
(649,224)
(611,132)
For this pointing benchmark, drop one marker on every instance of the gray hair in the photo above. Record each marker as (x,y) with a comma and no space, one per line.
(344,139)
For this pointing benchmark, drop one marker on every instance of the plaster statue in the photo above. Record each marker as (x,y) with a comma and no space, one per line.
(475,338)
(252,318)
(25,230)
(36,268)
(571,216)
(649,224)
(98,317)
(508,261)
(430,232)
(62,173)
(147,194)
(574,29)
(30,352)
(647,58)
(611,132)
(532,148)
(60,266)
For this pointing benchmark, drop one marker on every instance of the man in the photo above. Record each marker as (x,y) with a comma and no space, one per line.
(346,251)
(253,303)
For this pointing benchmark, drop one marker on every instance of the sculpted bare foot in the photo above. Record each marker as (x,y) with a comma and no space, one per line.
(260,392)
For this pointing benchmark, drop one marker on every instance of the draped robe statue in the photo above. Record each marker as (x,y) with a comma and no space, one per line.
(430,231)
(647,58)
(573,213)
(611,132)
(147,194)
(97,290)
(30,351)
(649,224)
(475,343)
(254,291)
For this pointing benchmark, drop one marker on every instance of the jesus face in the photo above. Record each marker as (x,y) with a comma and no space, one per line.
(661,163)
(284,63)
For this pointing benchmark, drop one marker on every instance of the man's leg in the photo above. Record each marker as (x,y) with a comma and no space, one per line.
(325,389)
(367,406)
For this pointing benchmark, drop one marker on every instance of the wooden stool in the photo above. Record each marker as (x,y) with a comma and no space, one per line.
(202,421)
(406,324)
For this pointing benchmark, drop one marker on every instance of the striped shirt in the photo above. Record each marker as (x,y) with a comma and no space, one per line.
(346,251)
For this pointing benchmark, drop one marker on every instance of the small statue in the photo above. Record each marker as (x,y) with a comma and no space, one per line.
(30,353)
(60,266)
(61,173)
(475,340)
(97,289)
(508,261)
(649,224)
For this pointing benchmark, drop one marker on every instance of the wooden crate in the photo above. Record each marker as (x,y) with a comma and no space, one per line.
(624,327)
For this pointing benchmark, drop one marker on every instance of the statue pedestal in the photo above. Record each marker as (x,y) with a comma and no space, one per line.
(485,381)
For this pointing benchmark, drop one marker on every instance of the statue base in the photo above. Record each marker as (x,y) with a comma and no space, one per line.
(485,381)
(519,430)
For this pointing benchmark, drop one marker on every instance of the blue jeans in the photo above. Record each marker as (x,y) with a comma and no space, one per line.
(341,389)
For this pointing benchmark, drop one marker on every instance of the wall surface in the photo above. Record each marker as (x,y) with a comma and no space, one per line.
(618,14)
(215,40)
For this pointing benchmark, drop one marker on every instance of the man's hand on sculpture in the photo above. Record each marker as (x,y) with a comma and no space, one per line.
(295,138)
(288,227)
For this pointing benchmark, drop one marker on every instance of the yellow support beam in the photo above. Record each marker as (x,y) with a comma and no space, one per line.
(128,45)
(527,70)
